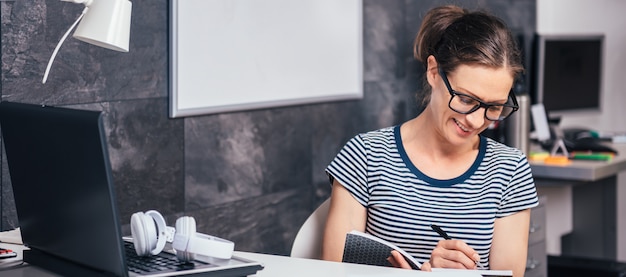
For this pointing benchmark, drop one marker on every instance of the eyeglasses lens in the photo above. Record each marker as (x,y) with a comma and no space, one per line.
(464,104)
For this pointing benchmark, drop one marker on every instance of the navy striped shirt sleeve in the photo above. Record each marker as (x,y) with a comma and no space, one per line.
(349,168)
(521,193)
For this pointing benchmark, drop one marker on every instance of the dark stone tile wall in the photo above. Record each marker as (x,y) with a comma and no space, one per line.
(251,176)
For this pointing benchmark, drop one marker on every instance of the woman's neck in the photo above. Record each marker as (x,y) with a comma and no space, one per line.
(421,134)
(432,154)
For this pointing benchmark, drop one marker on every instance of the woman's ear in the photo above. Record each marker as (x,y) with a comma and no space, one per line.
(431,70)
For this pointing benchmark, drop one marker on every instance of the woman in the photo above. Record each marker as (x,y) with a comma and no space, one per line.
(396,182)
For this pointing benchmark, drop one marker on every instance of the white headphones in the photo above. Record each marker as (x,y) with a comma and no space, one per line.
(150,234)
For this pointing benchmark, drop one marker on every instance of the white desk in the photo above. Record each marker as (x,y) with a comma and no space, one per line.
(275,266)
(594,202)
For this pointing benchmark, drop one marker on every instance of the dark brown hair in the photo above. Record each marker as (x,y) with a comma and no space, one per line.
(456,36)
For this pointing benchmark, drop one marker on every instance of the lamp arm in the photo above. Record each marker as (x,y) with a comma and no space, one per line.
(56,49)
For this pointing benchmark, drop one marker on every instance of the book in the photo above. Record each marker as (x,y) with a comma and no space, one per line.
(362,248)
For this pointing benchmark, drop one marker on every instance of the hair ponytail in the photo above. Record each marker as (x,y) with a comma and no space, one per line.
(433,26)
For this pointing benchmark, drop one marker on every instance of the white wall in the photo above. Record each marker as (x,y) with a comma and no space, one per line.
(587,16)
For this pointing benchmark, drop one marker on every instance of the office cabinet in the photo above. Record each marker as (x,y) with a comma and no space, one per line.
(537,259)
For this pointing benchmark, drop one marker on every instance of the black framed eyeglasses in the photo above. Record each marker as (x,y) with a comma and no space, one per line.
(467,104)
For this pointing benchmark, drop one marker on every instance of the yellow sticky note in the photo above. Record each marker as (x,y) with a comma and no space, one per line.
(538,156)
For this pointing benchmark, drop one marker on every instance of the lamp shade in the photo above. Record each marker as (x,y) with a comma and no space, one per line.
(106,24)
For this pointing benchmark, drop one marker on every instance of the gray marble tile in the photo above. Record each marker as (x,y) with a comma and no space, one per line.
(146,149)
(383,35)
(387,104)
(266,224)
(239,155)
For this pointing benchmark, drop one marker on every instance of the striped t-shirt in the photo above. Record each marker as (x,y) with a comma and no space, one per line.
(403,202)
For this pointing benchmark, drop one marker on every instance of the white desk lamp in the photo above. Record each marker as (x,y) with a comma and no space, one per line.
(105,23)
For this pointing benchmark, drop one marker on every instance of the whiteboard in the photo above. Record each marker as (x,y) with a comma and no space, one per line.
(232,55)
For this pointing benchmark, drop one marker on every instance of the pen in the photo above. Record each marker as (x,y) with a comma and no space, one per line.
(440,231)
(444,235)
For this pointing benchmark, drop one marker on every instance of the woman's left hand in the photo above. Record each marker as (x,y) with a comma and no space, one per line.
(397,260)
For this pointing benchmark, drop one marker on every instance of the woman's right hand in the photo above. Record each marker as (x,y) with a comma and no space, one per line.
(454,254)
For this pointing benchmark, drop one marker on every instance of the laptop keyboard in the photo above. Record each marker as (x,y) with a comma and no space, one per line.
(156,263)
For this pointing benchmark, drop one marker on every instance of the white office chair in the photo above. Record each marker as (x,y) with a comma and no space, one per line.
(308,242)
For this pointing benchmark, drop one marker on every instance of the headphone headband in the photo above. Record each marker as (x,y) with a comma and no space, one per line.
(204,245)
(160,228)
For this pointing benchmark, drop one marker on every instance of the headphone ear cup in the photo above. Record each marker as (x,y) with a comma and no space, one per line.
(151,232)
(144,232)
(185,228)
(138,232)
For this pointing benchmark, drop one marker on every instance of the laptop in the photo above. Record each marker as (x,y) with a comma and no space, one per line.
(64,196)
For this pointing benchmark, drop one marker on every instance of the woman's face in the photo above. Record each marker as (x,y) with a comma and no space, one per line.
(490,85)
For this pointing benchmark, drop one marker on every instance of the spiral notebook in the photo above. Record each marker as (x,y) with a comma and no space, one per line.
(363,248)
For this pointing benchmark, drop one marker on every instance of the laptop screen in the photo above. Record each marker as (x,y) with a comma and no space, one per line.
(62,184)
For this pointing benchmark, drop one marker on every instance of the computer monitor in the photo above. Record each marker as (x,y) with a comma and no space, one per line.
(568,73)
